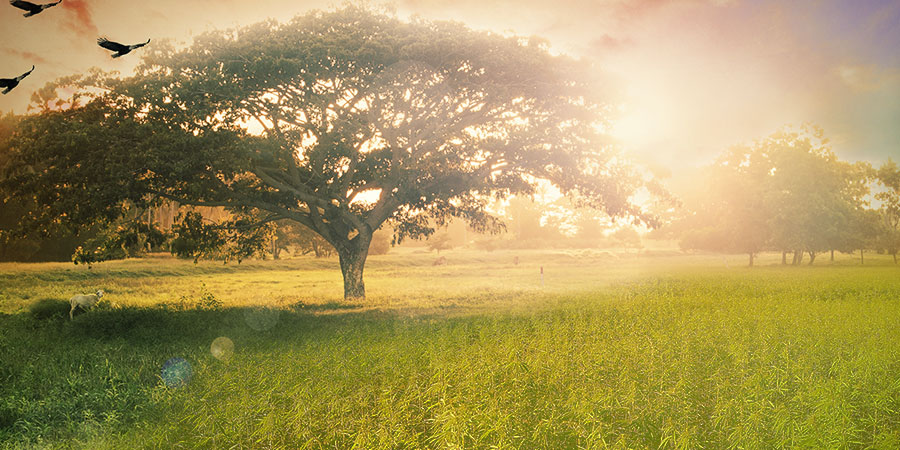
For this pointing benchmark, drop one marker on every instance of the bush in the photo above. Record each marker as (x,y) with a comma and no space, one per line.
(49,308)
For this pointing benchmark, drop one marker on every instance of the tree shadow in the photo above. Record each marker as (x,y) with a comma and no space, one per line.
(176,325)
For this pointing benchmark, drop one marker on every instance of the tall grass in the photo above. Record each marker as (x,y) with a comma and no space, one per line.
(661,353)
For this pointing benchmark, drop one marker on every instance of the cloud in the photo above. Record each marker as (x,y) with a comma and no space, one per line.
(634,10)
(31,57)
(80,19)
(607,43)
(866,77)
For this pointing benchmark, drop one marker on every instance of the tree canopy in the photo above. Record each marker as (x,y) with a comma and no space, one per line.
(339,121)
(787,192)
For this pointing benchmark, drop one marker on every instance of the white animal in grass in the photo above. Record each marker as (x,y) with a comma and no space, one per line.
(86,302)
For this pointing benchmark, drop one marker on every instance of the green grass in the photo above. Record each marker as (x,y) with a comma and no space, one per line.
(613,352)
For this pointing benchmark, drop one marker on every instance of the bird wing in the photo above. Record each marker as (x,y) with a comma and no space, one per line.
(22,4)
(110,45)
(140,45)
(6,82)
(26,73)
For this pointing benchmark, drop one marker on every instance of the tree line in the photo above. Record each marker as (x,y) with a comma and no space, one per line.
(789,193)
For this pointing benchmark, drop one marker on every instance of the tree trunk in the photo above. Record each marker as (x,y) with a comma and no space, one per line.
(315,246)
(353,260)
(895,258)
(832,256)
(812,257)
(275,250)
(751,259)
(149,228)
(352,269)
(783,258)
(862,256)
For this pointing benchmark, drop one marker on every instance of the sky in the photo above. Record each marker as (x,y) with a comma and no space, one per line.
(696,76)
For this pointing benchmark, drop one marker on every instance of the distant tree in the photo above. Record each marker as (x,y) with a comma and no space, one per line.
(813,194)
(125,238)
(235,239)
(627,237)
(525,219)
(849,229)
(438,242)
(734,216)
(889,176)
(788,192)
(590,227)
(865,226)
(284,237)
(302,240)
(432,118)
(382,241)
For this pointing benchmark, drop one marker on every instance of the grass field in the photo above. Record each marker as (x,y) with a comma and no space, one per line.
(613,351)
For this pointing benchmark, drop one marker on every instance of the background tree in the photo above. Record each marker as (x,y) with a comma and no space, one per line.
(734,215)
(295,121)
(382,241)
(439,241)
(889,177)
(235,239)
(787,192)
(48,241)
(627,237)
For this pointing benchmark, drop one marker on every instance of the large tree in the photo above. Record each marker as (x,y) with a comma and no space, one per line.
(815,197)
(733,214)
(339,121)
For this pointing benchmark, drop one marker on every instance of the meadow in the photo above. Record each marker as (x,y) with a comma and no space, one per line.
(610,350)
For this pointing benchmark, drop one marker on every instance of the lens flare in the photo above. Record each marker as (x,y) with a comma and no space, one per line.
(176,372)
(222,348)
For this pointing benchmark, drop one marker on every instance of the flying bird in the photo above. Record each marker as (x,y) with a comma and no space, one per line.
(9,83)
(31,7)
(118,48)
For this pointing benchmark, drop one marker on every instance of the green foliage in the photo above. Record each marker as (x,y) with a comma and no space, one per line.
(122,239)
(205,301)
(786,192)
(247,238)
(889,238)
(195,239)
(234,239)
(47,244)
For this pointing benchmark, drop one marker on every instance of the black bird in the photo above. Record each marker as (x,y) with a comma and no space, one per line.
(9,83)
(118,48)
(31,7)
